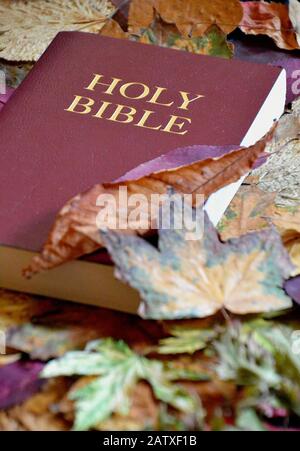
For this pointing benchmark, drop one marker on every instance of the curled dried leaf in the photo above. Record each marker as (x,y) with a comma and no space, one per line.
(75,232)
(270,19)
(193,18)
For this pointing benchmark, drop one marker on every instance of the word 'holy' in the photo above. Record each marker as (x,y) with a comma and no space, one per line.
(144,118)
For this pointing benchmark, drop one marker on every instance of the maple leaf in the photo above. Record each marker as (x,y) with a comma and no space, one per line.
(262,357)
(186,340)
(117,369)
(28,27)
(75,231)
(271,19)
(196,278)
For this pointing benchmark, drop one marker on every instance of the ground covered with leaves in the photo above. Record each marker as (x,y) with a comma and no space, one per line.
(217,342)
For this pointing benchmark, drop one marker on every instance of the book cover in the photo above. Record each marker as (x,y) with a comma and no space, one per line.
(94,108)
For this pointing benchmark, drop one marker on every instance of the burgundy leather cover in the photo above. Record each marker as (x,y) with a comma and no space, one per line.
(48,155)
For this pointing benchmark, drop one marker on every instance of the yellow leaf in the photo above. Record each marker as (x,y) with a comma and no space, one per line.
(28,27)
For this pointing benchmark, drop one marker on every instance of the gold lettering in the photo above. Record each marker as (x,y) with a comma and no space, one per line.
(156,96)
(86,106)
(102,109)
(186,101)
(119,112)
(111,86)
(145,92)
(144,119)
(172,123)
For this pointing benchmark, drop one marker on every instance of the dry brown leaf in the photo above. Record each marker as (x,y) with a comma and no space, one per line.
(194,17)
(75,232)
(113,30)
(39,413)
(249,211)
(281,172)
(17,309)
(288,223)
(141,14)
(213,42)
(28,26)
(271,19)
(45,328)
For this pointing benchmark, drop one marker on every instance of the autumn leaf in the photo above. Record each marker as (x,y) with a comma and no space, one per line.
(271,19)
(118,369)
(281,172)
(141,15)
(287,221)
(17,309)
(28,27)
(18,382)
(271,195)
(40,412)
(45,328)
(186,340)
(197,277)
(190,17)
(262,358)
(75,232)
(250,211)
(193,18)
(213,42)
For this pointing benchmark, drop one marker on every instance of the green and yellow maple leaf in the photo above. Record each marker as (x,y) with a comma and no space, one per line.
(263,356)
(186,340)
(197,277)
(117,369)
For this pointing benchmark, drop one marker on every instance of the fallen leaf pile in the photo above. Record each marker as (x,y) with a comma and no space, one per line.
(219,348)
(271,195)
